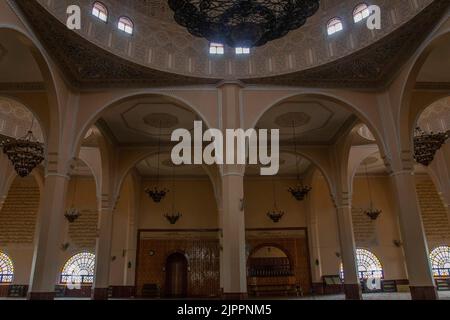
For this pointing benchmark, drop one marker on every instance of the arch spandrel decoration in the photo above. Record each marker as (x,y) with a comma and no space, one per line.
(440,261)
(6,269)
(79,269)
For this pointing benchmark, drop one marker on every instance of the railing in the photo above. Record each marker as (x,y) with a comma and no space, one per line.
(6,278)
(363,275)
(371,274)
(72,279)
(441,272)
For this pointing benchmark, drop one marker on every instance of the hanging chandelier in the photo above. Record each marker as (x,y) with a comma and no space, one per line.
(275,215)
(426,145)
(242,23)
(25,153)
(72,214)
(155,193)
(300,191)
(372,212)
(173,216)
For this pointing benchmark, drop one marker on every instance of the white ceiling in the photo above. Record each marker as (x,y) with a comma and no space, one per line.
(316,121)
(137,122)
(149,167)
(16,62)
(376,166)
(287,166)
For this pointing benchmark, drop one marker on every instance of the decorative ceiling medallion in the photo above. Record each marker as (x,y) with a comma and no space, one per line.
(242,23)
(161,120)
(298,119)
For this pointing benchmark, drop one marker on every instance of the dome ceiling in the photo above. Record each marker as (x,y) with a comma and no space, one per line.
(307,56)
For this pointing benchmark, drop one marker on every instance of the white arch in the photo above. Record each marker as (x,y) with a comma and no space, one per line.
(120,98)
(344,103)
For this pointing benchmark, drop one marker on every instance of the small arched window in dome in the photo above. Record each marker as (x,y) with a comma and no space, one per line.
(99,10)
(126,25)
(361,12)
(334,25)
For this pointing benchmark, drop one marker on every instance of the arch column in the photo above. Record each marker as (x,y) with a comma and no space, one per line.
(103,251)
(7,174)
(234,264)
(132,231)
(415,246)
(50,222)
(352,285)
(441,169)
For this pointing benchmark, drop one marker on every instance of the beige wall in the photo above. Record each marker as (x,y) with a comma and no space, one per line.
(259,200)
(195,200)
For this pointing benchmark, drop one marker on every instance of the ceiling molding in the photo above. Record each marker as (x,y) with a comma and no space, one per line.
(22,86)
(434,86)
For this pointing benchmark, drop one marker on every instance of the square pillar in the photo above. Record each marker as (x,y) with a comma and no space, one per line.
(415,246)
(45,267)
(352,286)
(103,255)
(234,260)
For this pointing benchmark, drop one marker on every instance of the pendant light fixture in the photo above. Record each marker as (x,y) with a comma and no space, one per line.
(25,153)
(173,216)
(275,214)
(372,212)
(157,194)
(73,213)
(300,191)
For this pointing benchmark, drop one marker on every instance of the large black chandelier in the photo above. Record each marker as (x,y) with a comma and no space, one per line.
(242,23)
(427,144)
(25,153)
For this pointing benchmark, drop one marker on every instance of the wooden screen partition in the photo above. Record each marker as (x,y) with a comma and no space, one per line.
(293,242)
(199,247)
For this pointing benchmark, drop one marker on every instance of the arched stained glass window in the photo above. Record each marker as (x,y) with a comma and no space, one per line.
(99,10)
(369,265)
(6,269)
(334,25)
(125,25)
(361,12)
(440,261)
(79,269)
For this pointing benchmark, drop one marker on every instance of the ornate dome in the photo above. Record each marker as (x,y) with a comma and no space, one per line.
(160,44)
